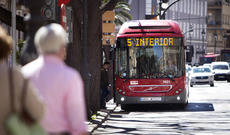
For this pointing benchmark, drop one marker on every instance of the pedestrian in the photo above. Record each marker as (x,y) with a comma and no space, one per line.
(60,85)
(104,84)
(32,103)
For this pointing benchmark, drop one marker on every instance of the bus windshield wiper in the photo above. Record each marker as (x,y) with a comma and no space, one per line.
(171,77)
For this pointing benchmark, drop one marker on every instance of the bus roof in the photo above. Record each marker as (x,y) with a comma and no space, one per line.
(150,27)
(211,55)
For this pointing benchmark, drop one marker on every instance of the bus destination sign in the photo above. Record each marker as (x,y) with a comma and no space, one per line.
(150,41)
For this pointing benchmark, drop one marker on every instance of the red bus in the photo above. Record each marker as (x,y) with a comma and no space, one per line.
(209,58)
(150,64)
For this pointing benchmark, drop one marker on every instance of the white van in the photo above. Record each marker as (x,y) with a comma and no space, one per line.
(221,70)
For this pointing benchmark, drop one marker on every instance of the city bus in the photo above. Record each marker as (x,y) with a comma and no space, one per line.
(150,64)
(209,58)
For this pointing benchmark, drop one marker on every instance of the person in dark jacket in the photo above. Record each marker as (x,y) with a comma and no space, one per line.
(104,84)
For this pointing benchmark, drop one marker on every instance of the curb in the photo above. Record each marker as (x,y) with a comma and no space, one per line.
(101,117)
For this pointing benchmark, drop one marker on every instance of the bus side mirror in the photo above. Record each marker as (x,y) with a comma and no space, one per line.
(185,47)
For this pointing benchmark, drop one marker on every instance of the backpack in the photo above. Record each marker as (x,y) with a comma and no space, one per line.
(21,123)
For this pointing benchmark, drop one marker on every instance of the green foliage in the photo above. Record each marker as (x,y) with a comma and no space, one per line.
(20,45)
(122,10)
(122,14)
(93,117)
(105,1)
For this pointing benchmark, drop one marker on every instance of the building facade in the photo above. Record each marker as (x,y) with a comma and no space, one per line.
(190,15)
(142,8)
(218,26)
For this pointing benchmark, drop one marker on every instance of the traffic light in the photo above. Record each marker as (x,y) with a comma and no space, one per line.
(49,10)
(188,57)
(189,53)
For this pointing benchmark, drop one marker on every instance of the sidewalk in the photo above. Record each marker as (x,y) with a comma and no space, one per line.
(101,117)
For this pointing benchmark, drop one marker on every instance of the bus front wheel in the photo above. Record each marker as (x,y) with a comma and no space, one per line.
(228,80)
(124,107)
(182,105)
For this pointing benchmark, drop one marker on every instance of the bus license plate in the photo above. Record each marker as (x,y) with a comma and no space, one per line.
(150,99)
(221,76)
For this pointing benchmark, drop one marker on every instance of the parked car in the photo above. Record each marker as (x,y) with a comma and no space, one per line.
(201,75)
(221,70)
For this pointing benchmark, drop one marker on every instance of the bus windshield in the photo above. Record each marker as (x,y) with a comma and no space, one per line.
(150,57)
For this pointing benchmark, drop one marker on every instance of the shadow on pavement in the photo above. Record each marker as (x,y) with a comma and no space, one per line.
(191,107)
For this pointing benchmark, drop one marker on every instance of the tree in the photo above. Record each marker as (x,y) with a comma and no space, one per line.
(33,23)
(87,61)
(75,57)
(122,9)
(122,13)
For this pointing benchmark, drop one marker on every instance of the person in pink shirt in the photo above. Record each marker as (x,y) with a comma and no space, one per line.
(59,85)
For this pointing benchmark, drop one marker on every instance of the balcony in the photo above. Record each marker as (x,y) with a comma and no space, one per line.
(214,17)
(214,22)
(214,4)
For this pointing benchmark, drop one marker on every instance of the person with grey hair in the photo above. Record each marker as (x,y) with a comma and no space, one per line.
(60,86)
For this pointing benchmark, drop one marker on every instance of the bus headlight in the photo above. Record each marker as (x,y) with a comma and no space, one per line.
(122,99)
(178,98)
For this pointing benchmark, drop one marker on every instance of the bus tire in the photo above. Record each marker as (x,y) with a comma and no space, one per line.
(182,105)
(124,107)
(228,80)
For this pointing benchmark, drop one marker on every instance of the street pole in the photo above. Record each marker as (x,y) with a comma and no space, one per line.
(203,33)
(13,22)
(84,37)
(160,8)
(86,74)
(203,43)
(215,36)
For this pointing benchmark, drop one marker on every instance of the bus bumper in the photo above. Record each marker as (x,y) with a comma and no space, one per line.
(181,98)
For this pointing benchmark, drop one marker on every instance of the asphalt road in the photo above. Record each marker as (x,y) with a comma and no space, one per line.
(208,113)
